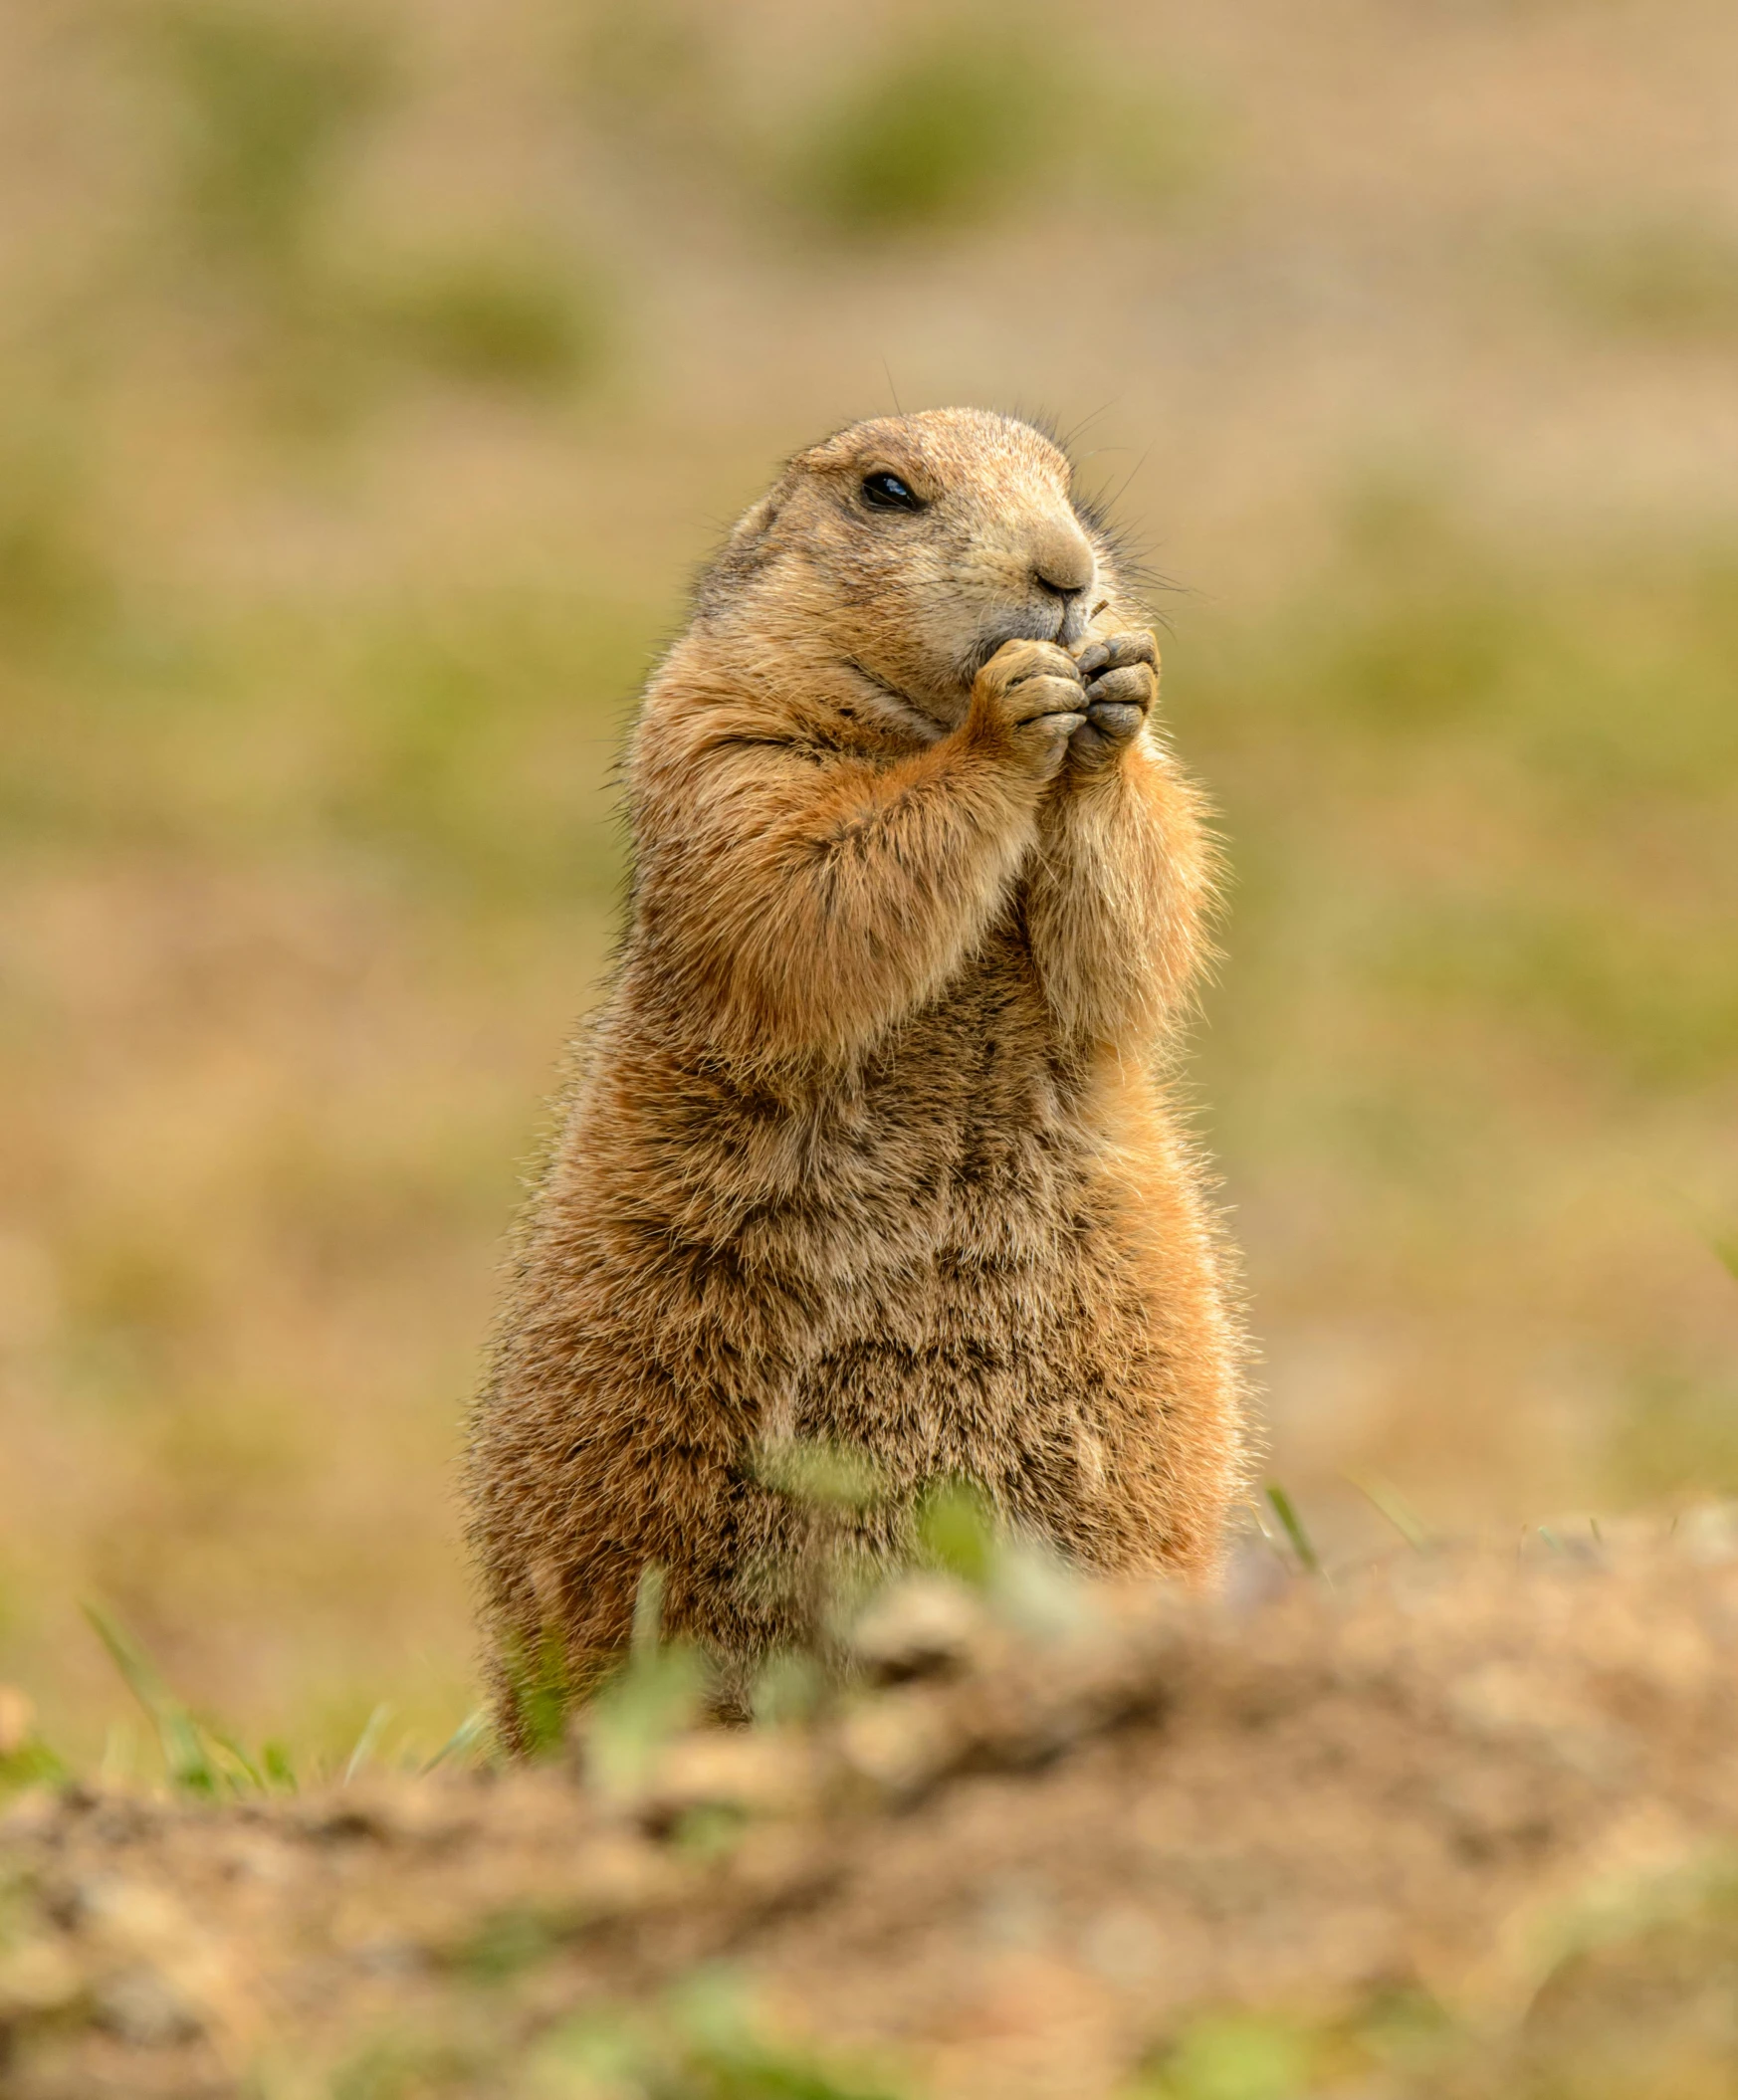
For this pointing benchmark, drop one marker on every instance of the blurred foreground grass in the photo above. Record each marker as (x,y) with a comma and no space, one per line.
(1451,1826)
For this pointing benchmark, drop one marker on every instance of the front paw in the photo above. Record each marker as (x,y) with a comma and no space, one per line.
(1028,700)
(1120,677)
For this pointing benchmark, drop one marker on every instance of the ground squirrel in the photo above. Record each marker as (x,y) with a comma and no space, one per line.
(870,1147)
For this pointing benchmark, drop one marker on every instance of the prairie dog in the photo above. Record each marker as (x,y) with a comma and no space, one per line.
(871,1146)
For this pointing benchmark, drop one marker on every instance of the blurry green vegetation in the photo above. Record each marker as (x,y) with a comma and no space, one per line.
(1678,1434)
(1235,2057)
(825,1475)
(275,108)
(653,69)
(658,1691)
(1630,1993)
(52,574)
(700,2043)
(956,1534)
(542,1692)
(269,98)
(984,113)
(1633,1998)
(947,131)
(1575,719)
(1673,280)
(30,1763)
(197,1758)
(519,319)
(427,733)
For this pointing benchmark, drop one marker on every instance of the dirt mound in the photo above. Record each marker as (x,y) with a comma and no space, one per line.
(1457,1825)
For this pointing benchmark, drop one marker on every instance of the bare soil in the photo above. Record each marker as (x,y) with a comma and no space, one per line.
(1401,1827)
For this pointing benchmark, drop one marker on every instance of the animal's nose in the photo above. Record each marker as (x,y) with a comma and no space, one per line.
(1062,559)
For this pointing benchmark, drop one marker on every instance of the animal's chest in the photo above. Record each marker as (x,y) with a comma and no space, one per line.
(958,1149)
(964,1126)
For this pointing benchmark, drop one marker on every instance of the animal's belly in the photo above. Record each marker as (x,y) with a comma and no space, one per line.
(922,1259)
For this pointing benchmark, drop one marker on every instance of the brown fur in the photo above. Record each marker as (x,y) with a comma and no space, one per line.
(871,1145)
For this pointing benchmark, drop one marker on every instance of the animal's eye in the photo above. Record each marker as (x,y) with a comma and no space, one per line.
(886,492)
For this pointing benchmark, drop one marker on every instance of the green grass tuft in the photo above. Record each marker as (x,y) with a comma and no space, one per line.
(1669,280)
(512,318)
(268,99)
(830,1476)
(199,1757)
(948,130)
(659,1691)
(703,2043)
(30,1763)
(957,1531)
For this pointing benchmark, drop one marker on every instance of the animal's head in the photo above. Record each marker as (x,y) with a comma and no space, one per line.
(911,548)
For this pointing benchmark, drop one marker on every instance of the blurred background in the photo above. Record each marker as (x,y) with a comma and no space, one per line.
(372,379)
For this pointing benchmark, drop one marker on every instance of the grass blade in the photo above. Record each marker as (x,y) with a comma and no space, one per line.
(367,1742)
(182,1741)
(278,1769)
(1308,1558)
(1389,1500)
(474,1729)
(230,1749)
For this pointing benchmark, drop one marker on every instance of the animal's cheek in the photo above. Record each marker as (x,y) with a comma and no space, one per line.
(991,575)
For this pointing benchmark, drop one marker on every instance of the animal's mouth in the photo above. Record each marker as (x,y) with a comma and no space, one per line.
(1065,625)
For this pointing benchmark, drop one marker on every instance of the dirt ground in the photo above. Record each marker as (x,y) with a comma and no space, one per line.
(1459,1823)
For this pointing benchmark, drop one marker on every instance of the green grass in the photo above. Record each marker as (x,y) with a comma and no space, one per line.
(980,115)
(702,2043)
(1480,993)
(205,1760)
(469,744)
(1669,280)
(950,130)
(31,1762)
(198,1758)
(509,317)
(268,99)
(51,575)
(1293,1527)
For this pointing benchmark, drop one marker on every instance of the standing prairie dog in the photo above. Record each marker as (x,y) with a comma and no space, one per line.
(870,1146)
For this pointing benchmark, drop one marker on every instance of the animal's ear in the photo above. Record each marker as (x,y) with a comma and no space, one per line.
(742,554)
(752,529)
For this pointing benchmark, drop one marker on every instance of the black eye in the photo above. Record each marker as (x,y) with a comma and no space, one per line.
(886,492)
